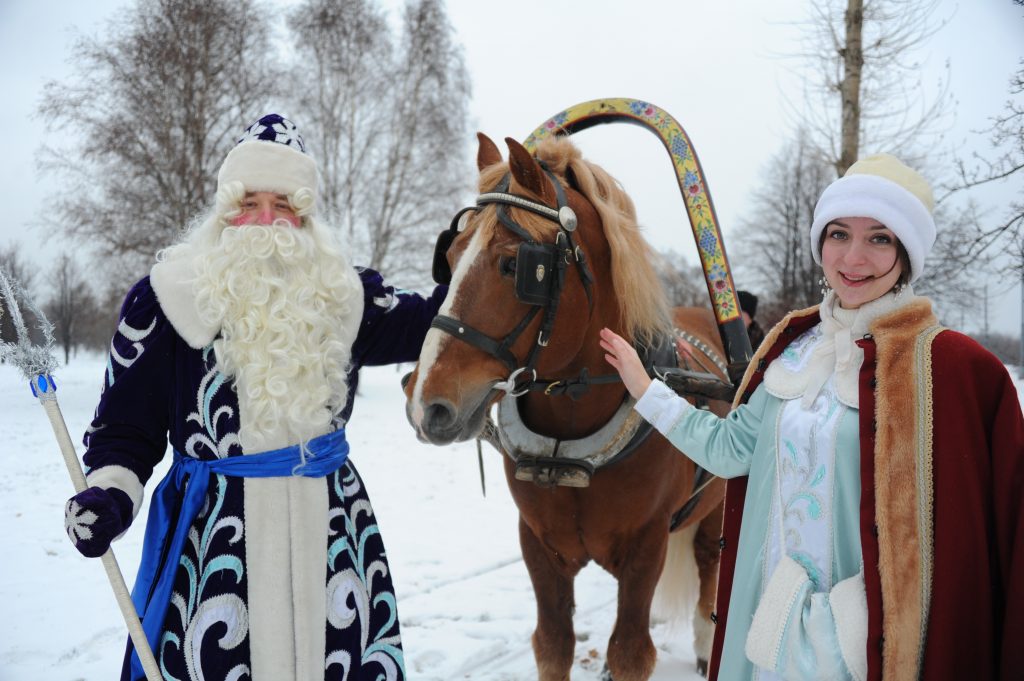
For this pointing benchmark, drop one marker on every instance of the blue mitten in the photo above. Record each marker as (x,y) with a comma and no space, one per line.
(94,517)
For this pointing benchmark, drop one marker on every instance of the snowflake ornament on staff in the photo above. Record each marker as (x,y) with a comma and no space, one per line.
(37,363)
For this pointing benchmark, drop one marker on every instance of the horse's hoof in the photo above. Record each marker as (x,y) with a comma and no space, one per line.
(606,674)
(702,667)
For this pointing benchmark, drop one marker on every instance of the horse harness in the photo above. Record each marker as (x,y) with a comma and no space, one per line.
(539,270)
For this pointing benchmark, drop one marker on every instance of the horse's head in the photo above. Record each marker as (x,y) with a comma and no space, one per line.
(531,282)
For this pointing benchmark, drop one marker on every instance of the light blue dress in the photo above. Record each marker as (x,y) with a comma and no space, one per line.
(810,546)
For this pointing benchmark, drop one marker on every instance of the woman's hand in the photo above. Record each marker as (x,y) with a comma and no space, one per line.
(623,357)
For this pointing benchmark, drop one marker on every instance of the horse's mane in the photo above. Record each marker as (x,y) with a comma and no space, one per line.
(643,304)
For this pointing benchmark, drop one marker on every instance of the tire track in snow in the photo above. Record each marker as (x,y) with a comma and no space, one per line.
(481,571)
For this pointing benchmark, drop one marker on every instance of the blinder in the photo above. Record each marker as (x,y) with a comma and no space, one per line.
(534,263)
(535,272)
(440,269)
(539,271)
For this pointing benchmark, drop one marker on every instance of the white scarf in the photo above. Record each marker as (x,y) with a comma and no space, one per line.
(829,349)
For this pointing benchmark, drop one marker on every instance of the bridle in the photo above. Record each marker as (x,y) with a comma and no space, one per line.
(539,271)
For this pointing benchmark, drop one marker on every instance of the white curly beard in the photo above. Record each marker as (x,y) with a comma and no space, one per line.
(281,296)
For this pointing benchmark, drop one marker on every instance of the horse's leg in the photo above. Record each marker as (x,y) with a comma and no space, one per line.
(631,653)
(706,551)
(554,641)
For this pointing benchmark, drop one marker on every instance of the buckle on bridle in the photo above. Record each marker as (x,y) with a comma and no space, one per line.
(509,385)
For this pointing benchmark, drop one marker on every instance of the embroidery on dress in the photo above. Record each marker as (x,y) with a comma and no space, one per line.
(806,460)
(218,444)
(356,583)
(134,338)
(198,614)
(796,355)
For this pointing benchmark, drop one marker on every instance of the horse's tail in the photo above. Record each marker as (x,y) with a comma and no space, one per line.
(679,585)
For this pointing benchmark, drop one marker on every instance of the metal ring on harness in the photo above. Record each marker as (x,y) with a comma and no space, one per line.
(509,385)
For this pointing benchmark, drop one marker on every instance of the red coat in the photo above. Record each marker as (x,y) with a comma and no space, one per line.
(942,501)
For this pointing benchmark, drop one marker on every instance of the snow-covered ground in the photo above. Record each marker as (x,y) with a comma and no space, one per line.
(464,597)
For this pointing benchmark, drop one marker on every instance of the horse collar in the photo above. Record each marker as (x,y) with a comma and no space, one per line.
(616,439)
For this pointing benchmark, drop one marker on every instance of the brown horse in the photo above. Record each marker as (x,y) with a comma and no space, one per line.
(531,287)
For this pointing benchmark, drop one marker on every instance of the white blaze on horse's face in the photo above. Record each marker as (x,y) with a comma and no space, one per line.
(436,339)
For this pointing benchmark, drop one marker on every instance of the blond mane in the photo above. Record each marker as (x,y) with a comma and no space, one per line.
(643,305)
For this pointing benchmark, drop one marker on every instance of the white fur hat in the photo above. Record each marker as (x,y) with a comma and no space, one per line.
(883,188)
(270,156)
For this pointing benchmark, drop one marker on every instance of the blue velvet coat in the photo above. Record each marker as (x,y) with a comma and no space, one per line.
(158,389)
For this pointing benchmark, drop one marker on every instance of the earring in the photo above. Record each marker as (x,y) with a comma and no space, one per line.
(825,286)
(899,288)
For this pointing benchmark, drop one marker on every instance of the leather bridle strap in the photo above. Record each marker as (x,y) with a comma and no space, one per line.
(566,251)
(480,340)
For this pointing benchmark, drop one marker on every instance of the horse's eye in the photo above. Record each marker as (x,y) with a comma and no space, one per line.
(507,266)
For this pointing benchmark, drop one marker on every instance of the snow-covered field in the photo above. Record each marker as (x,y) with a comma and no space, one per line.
(464,597)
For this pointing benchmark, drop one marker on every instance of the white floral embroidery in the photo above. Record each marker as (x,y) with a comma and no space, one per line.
(130,333)
(78,522)
(211,383)
(136,336)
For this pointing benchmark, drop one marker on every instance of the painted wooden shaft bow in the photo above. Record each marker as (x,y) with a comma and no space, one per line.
(699,208)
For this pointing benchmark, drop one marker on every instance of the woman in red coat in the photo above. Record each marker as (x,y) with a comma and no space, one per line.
(875,512)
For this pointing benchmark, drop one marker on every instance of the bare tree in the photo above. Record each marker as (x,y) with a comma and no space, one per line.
(421,163)
(153,106)
(387,121)
(774,250)
(865,90)
(69,302)
(683,282)
(866,93)
(1007,140)
(342,78)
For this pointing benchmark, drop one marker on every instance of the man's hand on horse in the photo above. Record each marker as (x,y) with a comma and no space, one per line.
(621,355)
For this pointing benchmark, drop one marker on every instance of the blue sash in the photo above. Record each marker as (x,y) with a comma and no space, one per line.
(188,480)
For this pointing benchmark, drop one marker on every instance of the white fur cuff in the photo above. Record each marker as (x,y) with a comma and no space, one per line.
(850,610)
(119,477)
(662,407)
(764,640)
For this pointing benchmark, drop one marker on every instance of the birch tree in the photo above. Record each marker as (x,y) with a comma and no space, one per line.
(864,83)
(154,103)
(388,115)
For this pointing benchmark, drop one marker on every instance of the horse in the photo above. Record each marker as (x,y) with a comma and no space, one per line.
(550,254)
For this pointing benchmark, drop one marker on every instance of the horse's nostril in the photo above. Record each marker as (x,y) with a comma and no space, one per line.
(405,379)
(438,416)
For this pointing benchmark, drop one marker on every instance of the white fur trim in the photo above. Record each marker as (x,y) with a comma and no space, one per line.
(764,640)
(172,283)
(850,610)
(267,557)
(286,555)
(309,531)
(662,407)
(871,196)
(830,349)
(287,563)
(119,477)
(268,166)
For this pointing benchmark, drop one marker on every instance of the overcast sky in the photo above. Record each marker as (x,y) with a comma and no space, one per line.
(715,66)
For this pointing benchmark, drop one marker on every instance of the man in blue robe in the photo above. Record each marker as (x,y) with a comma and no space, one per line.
(262,557)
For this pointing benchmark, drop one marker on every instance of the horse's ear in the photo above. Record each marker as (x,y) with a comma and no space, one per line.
(527,172)
(487,154)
